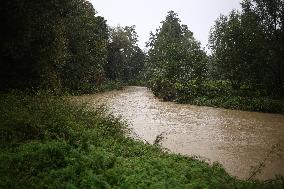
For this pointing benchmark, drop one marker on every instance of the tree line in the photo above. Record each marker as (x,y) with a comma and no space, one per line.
(245,69)
(248,47)
(63,45)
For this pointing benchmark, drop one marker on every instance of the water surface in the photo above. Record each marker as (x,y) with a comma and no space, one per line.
(238,140)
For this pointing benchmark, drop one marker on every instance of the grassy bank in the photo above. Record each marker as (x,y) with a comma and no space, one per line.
(47,142)
(107,85)
(220,94)
(259,104)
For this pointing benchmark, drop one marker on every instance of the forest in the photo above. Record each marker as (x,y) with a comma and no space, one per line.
(56,49)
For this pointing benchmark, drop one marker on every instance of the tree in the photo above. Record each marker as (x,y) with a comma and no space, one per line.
(247,46)
(32,43)
(271,17)
(227,40)
(50,44)
(175,58)
(125,58)
(87,36)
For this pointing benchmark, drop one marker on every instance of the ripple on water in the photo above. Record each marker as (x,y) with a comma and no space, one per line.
(236,139)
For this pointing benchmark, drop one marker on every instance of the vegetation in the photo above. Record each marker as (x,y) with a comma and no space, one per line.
(175,58)
(48,142)
(55,47)
(248,47)
(63,46)
(219,93)
(244,71)
(125,58)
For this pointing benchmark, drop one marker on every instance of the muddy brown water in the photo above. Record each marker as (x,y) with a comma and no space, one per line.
(239,140)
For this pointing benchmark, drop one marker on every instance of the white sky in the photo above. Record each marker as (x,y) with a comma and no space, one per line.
(146,15)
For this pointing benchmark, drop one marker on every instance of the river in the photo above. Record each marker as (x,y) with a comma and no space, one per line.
(239,140)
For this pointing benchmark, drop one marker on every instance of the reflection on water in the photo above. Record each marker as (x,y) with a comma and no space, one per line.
(236,139)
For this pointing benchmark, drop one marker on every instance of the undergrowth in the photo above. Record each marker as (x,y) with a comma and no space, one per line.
(259,104)
(49,142)
(221,94)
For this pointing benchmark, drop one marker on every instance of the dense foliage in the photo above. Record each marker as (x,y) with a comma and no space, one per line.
(175,58)
(248,47)
(63,45)
(51,44)
(52,143)
(245,70)
(125,58)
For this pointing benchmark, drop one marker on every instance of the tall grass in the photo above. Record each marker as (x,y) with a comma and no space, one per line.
(49,142)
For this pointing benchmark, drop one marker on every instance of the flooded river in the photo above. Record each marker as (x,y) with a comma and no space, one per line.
(239,140)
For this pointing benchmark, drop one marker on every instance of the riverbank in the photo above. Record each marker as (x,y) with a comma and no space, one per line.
(236,139)
(220,94)
(258,104)
(49,142)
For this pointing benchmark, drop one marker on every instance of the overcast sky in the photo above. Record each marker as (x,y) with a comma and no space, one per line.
(146,15)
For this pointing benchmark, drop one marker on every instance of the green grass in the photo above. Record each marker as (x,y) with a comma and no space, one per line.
(221,94)
(49,142)
(259,104)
